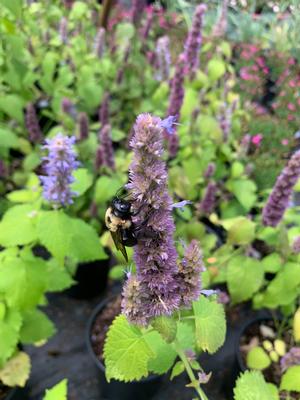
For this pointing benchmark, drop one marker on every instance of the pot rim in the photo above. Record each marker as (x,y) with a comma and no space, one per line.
(246,325)
(100,365)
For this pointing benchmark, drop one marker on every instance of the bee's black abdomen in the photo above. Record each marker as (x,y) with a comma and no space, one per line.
(128,238)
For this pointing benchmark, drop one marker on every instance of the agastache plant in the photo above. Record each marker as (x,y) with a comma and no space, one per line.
(107,152)
(154,288)
(208,202)
(32,124)
(59,166)
(83,124)
(194,41)
(153,297)
(104,110)
(279,198)
(175,102)
(99,44)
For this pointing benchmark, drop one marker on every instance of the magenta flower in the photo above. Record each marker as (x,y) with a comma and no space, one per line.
(256,139)
(279,198)
(59,166)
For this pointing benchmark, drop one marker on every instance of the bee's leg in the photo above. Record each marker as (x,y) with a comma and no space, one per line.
(129,238)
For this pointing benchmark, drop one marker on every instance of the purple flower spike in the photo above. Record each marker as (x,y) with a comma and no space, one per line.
(104,110)
(210,170)
(163,58)
(175,101)
(296,245)
(154,290)
(99,44)
(189,279)
(63,30)
(59,166)
(68,107)
(137,10)
(194,40)
(32,124)
(83,123)
(208,202)
(291,358)
(107,146)
(279,198)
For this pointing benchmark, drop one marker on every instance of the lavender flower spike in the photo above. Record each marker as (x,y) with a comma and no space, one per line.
(99,44)
(154,290)
(194,40)
(106,144)
(32,124)
(176,100)
(208,202)
(279,198)
(163,58)
(104,110)
(291,358)
(83,123)
(189,280)
(60,163)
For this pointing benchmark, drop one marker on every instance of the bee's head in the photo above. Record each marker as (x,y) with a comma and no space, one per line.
(121,208)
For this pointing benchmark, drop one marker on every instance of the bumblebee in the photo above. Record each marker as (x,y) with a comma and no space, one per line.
(118,219)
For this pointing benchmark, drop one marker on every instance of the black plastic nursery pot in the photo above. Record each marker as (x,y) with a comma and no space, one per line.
(117,390)
(90,279)
(13,394)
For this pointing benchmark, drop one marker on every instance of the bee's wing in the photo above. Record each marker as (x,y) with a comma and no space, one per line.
(117,238)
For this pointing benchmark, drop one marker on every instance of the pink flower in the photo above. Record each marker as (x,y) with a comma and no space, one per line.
(298,102)
(290,117)
(285,142)
(256,139)
(292,84)
(291,107)
(245,74)
(291,61)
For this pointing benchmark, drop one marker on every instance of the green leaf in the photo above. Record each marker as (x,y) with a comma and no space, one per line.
(16,371)
(216,69)
(241,232)
(55,231)
(23,196)
(14,6)
(209,127)
(13,105)
(106,188)
(166,326)
(85,244)
(210,324)
(58,278)
(257,358)
(83,181)
(245,192)
(272,263)
(8,139)
(291,379)
(185,335)
(165,354)
(58,392)
(177,370)
(252,386)
(9,334)
(23,281)
(126,351)
(18,226)
(244,277)
(36,327)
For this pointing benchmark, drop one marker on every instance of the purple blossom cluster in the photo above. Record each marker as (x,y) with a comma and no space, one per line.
(148,25)
(279,198)
(59,166)
(194,40)
(225,118)
(159,287)
(32,124)
(105,151)
(104,110)
(210,170)
(68,107)
(163,58)
(175,101)
(63,30)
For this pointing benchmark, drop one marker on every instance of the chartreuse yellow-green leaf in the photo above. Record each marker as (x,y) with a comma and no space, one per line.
(58,392)
(16,371)
(252,386)
(9,334)
(126,352)
(210,324)
(291,379)
(257,358)
(296,325)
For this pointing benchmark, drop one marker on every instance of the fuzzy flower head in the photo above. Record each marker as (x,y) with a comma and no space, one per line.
(59,166)
(188,278)
(278,200)
(155,254)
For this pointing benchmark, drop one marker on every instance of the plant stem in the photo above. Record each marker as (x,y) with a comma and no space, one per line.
(189,369)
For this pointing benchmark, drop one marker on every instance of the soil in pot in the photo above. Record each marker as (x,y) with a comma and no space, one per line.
(90,280)
(8,393)
(99,324)
(254,335)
